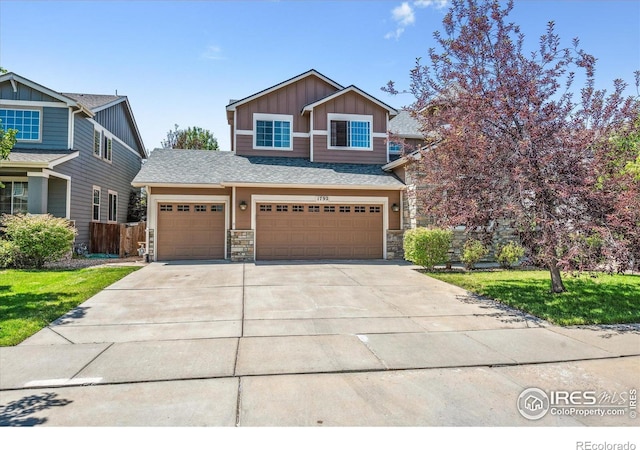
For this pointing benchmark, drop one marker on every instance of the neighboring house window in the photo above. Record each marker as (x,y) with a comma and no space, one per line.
(349,131)
(272,131)
(113,207)
(96,204)
(107,148)
(395,148)
(13,197)
(26,121)
(97,143)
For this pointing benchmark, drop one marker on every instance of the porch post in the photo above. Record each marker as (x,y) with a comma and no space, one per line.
(38,192)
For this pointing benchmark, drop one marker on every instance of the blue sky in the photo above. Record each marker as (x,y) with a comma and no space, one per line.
(181,62)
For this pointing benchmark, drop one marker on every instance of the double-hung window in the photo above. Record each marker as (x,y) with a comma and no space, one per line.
(348,131)
(95,215)
(272,131)
(97,143)
(26,121)
(107,149)
(113,207)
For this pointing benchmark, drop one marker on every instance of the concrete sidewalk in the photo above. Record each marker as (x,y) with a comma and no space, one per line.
(352,343)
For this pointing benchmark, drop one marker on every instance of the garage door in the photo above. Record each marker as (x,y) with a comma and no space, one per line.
(328,231)
(190,231)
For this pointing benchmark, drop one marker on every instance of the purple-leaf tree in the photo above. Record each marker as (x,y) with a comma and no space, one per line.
(512,138)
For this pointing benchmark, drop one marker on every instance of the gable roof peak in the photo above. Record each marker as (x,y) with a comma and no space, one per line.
(233,104)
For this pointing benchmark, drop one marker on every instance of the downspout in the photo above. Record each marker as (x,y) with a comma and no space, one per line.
(233,207)
(311,136)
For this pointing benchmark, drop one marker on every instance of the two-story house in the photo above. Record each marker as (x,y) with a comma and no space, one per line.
(303,180)
(75,156)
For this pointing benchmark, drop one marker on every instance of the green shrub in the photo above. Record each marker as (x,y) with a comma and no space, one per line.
(472,252)
(8,252)
(510,254)
(427,247)
(38,238)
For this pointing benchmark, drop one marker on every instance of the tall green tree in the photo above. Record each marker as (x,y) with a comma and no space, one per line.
(192,138)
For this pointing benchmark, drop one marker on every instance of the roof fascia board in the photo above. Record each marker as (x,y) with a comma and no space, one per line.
(63,159)
(351,88)
(232,106)
(313,186)
(178,185)
(38,87)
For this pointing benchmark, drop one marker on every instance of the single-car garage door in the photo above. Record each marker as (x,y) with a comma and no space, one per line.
(190,231)
(327,231)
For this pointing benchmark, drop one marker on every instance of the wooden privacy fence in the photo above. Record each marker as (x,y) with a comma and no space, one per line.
(116,238)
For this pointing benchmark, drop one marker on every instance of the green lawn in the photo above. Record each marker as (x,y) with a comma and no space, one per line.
(31,299)
(598,299)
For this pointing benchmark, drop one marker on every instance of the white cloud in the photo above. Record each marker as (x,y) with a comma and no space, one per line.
(437,4)
(213,52)
(404,14)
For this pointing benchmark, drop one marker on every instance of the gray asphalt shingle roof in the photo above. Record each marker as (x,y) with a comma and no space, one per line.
(35,156)
(215,167)
(404,125)
(93,101)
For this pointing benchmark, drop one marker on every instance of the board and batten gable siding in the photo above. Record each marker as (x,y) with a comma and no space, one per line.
(290,100)
(54,129)
(116,119)
(24,93)
(350,103)
(87,171)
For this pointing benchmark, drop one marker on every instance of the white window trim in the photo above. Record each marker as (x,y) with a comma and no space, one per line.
(99,153)
(272,118)
(96,188)
(110,194)
(350,117)
(38,110)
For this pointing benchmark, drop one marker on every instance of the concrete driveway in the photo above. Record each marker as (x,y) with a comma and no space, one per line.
(353,343)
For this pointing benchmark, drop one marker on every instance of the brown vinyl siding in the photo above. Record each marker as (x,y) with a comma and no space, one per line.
(350,103)
(376,156)
(289,100)
(189,191)
(300,148)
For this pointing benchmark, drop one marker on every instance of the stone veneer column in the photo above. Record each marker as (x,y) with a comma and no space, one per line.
(242,245)
(394,244)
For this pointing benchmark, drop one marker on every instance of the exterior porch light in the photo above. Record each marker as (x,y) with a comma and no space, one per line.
(243,205)
(395,207)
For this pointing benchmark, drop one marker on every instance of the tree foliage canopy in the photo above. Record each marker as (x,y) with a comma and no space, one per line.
(194,138)
(511,139)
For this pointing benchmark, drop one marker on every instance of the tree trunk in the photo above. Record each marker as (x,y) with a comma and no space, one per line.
(556,279)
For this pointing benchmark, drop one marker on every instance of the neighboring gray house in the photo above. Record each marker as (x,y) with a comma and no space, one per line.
(75,157)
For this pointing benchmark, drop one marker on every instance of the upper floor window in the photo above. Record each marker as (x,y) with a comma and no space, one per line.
(272,131)
(97,143)
(26,121)
(107,148)
(347,131)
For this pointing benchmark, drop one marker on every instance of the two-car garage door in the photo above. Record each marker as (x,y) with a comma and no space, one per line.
(318,231)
